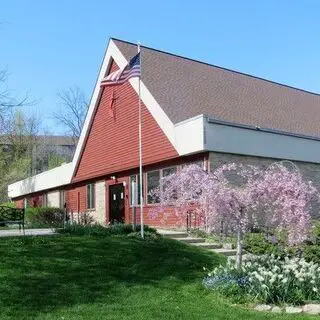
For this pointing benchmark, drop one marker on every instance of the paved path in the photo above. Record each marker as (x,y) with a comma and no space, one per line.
(28,232)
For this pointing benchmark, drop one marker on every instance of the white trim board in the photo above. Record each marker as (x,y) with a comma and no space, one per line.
(50,179)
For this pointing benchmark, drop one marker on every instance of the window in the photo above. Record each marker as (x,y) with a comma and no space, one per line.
(90,196)
(62,199)
(199,163)
(135,179)
(168,171)
(45,200)
(153,181)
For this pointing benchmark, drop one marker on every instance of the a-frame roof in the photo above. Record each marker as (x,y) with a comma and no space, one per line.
(185,88)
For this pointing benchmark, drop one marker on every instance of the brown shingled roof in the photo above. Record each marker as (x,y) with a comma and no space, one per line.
(185,88)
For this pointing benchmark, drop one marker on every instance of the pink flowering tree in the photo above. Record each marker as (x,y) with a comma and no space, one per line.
(239,197)
(285,199)
(182,192)
(230,201)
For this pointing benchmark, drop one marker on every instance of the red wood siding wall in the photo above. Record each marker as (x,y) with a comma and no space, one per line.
(112,143)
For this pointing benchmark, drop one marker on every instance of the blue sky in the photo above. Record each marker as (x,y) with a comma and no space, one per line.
(47,46)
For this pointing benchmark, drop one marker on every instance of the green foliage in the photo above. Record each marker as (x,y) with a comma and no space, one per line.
(311,253)
(256,243)
(269,279)
(147,235)
(8,204)
(234,292)
(55,160)
(99,230)
(315,236)
(48,217)
(198,233)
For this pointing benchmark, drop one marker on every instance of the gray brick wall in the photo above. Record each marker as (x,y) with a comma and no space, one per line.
(310,171)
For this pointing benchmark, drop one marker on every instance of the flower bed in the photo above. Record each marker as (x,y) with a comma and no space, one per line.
(268,279)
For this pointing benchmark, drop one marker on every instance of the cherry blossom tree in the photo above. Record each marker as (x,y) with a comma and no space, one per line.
(241,196)
(285,199)
(182,192)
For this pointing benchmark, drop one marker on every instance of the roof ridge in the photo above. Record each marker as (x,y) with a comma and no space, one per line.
(219,67)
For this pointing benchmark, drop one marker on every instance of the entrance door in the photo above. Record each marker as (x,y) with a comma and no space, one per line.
(116,203)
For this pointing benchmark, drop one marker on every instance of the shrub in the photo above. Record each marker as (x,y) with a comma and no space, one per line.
(315,236)
(258,243)
(44,217)
(147,235)
(311,253)
(99,230)
(85,230)
(275,280)
(8,204)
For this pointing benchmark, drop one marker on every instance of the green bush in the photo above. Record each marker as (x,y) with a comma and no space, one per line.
(256,243)
(8,204)
(315,236)
(85,230)
(311,253)
(49,217)
(147,235)
(99,230)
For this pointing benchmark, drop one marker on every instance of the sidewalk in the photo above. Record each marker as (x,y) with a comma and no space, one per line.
(28,232)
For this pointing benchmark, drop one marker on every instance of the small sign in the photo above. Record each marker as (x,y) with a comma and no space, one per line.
(114,196)
(121,195)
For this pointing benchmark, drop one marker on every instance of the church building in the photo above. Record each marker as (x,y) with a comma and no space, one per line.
(192,112)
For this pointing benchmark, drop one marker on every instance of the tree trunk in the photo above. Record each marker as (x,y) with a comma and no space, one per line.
(239,247)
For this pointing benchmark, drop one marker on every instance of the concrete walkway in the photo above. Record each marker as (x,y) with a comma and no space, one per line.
(28,232)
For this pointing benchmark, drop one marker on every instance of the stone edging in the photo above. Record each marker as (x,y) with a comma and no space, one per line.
(311,308)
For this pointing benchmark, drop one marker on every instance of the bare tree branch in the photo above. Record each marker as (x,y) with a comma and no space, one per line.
(74,106)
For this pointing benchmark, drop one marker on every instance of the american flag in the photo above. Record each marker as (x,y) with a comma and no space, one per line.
(132,69)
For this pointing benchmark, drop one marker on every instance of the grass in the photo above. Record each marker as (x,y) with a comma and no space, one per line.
(114,277)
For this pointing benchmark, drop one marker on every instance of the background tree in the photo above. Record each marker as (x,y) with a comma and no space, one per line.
(18,140)
(74,106)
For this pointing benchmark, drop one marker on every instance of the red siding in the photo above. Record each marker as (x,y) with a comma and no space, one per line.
(112,143)
(76,199)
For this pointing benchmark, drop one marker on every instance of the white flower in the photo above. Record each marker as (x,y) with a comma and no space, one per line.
(284,280)
(315,289)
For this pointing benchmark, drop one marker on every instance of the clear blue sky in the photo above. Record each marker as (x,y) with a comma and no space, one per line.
(50,45)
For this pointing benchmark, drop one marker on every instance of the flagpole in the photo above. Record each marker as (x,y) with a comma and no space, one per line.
(140,154)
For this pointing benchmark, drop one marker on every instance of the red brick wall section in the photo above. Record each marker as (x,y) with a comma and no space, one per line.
(112,143)
(19,203)
(151,217)
(76,199)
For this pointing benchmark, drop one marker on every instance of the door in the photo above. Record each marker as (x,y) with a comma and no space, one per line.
(116,203)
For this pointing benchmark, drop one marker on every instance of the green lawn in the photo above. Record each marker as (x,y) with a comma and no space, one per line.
(116,277)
